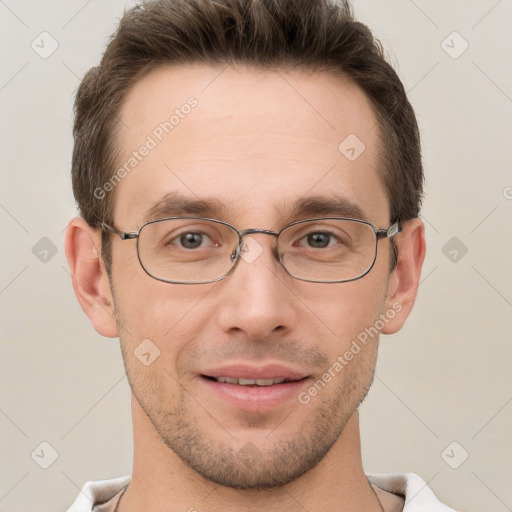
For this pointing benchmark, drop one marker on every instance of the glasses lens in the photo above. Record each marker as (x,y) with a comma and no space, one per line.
(328,250)
(187,250)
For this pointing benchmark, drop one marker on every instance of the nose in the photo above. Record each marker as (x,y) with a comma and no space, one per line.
(257,296)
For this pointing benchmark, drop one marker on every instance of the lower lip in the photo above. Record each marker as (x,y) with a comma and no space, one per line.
(255,398)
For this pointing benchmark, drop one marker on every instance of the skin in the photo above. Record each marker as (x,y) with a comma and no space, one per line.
(256,144)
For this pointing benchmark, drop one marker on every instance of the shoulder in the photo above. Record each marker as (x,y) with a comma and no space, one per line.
(415,494)
(95,493)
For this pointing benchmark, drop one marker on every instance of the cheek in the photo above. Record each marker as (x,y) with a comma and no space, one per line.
(345,310)
(170,316)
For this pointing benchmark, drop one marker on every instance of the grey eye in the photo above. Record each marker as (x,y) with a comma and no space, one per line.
(319,240)
(191,240)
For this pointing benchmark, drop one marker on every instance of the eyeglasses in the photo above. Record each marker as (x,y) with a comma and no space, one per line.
(192,250)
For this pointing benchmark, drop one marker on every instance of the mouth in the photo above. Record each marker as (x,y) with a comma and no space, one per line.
(251,388)
(251,382)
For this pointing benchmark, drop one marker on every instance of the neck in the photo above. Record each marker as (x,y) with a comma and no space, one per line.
(161,481)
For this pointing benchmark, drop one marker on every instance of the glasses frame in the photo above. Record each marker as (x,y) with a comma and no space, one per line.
(380,234)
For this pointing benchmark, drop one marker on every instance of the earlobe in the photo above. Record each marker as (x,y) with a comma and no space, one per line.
(89,277)
(404,280)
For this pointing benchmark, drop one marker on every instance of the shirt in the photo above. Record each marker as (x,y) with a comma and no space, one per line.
(102,496)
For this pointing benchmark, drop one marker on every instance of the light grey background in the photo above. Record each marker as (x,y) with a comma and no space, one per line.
(444,378)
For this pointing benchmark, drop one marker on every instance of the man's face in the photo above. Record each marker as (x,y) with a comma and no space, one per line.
(257,142)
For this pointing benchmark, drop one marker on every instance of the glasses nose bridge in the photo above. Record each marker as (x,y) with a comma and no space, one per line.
(252,231)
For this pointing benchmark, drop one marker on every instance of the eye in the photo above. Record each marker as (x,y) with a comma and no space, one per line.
(319,240)
(192,240)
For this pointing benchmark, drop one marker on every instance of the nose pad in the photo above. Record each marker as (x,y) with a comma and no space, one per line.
(236,253)
(250,250)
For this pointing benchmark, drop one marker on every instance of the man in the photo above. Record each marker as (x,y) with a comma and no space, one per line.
(249,180)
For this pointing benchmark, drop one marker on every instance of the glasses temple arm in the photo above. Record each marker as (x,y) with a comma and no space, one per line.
(123,235)
(393,230)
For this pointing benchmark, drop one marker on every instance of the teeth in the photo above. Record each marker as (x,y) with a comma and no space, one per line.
(229,380)
(250,382)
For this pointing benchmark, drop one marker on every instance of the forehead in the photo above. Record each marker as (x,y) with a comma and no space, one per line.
(256,141)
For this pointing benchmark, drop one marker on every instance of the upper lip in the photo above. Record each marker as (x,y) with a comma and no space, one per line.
(261,371)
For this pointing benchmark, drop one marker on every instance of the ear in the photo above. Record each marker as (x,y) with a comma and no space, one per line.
(89,277)
(404,280)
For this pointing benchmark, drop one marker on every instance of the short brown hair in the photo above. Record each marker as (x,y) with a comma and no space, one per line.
(314,35)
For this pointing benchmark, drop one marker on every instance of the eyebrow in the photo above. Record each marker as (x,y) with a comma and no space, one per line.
(332,206)
(175,204)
